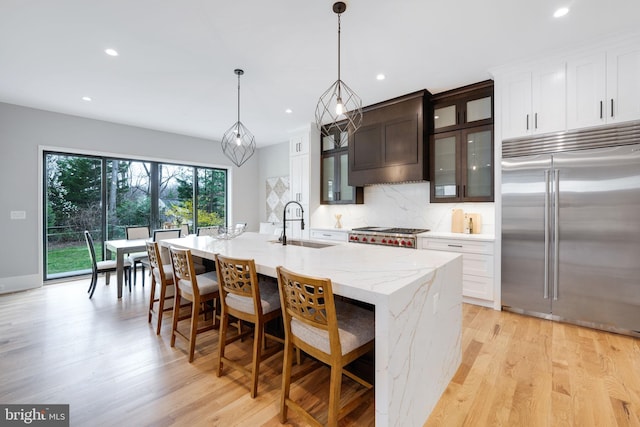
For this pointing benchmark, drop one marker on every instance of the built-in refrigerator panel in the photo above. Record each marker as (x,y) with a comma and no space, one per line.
(524,250)
(599,237)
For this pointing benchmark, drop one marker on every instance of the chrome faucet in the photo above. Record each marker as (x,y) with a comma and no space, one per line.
(283,238)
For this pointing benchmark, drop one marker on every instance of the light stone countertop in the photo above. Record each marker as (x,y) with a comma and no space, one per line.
(417,296)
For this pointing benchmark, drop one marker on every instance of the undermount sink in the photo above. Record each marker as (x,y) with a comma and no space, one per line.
(304,243)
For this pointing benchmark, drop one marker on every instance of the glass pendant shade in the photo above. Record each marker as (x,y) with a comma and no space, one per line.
(238,143)
(339,108)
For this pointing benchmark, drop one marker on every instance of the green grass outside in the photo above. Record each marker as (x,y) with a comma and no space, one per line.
(69,258)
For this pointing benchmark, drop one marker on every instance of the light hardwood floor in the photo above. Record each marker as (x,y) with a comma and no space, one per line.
(104,359)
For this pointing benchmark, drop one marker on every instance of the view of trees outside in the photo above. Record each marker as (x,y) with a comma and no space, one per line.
(74,188)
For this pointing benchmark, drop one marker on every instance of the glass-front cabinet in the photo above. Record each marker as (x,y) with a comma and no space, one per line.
(464,107)
(461,144)
(462,165)
(334,186)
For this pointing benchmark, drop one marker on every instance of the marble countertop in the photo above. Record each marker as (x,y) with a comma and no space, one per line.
(363,272)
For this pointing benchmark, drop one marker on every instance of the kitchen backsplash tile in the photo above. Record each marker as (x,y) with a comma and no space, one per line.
(401,205)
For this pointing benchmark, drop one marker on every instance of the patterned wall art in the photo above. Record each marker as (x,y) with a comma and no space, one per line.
(277,197)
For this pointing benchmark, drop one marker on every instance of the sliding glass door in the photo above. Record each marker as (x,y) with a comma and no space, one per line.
(105,195)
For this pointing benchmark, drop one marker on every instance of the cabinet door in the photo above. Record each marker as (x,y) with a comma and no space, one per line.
(586,96)
(299,179)
(623,84)
(549,99)
(445,116)
(445,181)
(477,178)
(329,184)
(335,188)
(299,144)
(516,105)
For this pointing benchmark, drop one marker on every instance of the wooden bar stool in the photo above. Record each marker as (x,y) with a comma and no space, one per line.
(161,277)
(243,298)
(335,333)
(198,289)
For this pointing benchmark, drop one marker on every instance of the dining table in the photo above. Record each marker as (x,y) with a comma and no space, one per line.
(121,247)
(416,295)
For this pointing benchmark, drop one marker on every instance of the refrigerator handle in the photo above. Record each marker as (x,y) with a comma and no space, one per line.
(556,234)
(546,234)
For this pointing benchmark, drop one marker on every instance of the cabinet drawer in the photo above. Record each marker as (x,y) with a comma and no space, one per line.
(477,265)
(341,236)
(477,287)
(451,245)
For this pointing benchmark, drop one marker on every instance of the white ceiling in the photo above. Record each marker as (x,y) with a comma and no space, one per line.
(176,62)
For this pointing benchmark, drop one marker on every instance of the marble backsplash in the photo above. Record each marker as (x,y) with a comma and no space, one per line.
(400,205)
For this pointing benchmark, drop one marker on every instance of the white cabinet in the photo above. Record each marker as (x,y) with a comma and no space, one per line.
(299,144)
(304,179)
(333,235)
(603,87)
(477,266)
(623,84)
(586,91)
(534,101)
(299,178)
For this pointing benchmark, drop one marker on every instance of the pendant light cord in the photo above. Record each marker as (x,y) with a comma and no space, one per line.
(339,85)
(238,102)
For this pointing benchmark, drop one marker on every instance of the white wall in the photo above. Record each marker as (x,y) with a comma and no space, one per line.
(24,132)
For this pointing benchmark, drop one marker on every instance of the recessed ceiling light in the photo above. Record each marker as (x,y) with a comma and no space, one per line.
(86,98)
(560,12)
(288,111)
(111,52)
(381,77)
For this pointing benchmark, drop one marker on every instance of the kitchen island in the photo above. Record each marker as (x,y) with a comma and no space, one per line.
(417,295)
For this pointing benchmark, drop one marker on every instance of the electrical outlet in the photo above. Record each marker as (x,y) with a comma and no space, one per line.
(436,301)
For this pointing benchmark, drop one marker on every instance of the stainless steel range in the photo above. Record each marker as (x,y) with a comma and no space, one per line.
(386,236)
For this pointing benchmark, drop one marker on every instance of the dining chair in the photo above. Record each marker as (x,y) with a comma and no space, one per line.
(161,282)
(184,230)
(106,267)
(200,290)
(213,231)
(333,332)
(248,300)
(164,234)
(141,258)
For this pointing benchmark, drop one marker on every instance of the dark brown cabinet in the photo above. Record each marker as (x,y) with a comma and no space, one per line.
(334,188)
(389,146)
(463,165)
(463,107)
(462,157)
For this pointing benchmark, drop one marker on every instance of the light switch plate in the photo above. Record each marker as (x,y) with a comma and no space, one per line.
(18,215)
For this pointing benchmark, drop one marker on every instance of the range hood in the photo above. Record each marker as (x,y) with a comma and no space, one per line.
(390,147)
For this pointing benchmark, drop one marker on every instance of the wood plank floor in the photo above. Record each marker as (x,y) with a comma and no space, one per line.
(104,359)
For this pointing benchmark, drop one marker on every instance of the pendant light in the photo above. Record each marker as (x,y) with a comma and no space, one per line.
(238,144)
(339,108)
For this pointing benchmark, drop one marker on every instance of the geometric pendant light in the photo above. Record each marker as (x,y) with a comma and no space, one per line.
(339,108)
(238,144)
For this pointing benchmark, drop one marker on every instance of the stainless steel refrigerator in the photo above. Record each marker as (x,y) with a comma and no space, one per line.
(571,228)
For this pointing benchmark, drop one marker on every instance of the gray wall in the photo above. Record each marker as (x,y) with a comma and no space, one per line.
(24,132)
(274,161)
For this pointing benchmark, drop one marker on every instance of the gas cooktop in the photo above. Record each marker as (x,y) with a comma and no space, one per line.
(391,230)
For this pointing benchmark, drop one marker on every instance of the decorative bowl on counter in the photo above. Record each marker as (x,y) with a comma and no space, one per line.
(228,233)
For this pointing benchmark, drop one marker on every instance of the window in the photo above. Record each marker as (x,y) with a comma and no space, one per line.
(105,195)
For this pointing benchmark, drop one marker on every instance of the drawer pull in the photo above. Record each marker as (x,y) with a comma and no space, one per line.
(455,246)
